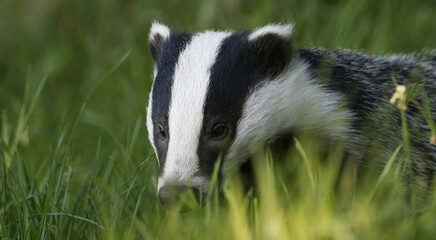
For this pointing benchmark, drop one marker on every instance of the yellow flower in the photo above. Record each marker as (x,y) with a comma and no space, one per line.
(400,96)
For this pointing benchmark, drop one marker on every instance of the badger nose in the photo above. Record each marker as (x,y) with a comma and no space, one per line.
(170,195)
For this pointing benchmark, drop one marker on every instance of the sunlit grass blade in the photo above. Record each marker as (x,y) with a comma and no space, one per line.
(385,171)
(213,188)
(406,144)
(233,192)
(306,163)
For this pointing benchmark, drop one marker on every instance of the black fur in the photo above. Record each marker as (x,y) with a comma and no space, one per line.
(272,53)
(155,45)
(240,65)
(171,49)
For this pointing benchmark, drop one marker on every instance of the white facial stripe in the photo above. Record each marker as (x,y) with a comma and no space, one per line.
(188,94)
(290,101)
(281,30)
(150,125)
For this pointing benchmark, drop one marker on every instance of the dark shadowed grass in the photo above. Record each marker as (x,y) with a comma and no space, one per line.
(75,160)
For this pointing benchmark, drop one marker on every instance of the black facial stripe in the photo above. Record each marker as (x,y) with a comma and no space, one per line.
(230,78)
(166,64)
(234,73)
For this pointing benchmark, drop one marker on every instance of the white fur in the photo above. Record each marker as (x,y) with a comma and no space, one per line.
(157,28)
(281,30)
(292,101)
(150,125)
(191,79)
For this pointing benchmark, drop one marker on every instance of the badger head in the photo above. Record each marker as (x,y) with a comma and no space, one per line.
(220,93)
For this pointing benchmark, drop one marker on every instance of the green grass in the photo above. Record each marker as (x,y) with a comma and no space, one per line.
(75,161)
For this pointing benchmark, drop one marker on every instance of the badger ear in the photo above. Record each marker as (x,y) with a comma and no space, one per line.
(158,34)
(272,46)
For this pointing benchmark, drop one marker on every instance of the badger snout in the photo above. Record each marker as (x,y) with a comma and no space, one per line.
(172,195)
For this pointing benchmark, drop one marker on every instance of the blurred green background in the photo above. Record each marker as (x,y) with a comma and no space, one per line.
(78,42)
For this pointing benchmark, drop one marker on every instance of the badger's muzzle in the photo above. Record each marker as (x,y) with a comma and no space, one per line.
(182,196)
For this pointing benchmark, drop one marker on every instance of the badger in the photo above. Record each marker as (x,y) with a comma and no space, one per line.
(228,93)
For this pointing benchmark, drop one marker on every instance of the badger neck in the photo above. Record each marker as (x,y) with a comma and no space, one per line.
(293,101)
(365,82)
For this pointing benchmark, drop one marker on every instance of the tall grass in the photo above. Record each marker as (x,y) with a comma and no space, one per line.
(75,161)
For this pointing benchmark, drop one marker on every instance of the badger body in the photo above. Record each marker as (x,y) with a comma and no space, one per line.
(230,93)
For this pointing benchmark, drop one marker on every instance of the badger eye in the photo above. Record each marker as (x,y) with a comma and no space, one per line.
(162,132)
(219,132)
